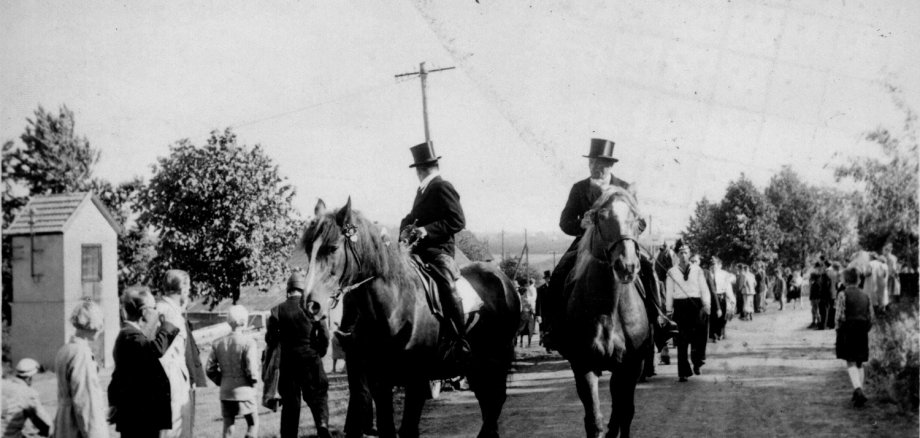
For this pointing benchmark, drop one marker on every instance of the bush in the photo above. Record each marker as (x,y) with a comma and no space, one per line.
(893,371)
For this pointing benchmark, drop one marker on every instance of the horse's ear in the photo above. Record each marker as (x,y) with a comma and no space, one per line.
(320,208)
(344,215)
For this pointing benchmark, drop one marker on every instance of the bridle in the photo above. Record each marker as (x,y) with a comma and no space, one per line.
(349,232)
(599,233)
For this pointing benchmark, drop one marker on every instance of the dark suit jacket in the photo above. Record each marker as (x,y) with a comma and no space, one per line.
(541,299)
(581,198)
(139,390)
(298,336)
(438,210)
(193,360)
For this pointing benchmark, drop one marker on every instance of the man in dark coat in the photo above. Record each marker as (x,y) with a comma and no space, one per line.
(540,308)
(139,394)
(574,223)
(435,218)
(303,340)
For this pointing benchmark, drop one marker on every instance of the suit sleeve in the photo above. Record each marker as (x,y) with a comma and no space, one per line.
(213,367)
(452,220)
(570,220)
(271,330)
(669,294)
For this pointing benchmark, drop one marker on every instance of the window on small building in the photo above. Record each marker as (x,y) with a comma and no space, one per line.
(91,271)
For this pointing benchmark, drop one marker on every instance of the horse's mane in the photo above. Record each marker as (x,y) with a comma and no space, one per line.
(376,255)
(606,197)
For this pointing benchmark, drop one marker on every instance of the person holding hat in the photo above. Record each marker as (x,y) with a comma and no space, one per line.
(21,403)
(303,340)
(574,222)
(687,296)
(435,218)
(139,392)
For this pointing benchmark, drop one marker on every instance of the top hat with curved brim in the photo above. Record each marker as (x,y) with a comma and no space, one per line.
(601,149)
(423,154)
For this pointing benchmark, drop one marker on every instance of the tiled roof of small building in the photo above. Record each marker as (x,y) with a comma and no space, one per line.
(51,213)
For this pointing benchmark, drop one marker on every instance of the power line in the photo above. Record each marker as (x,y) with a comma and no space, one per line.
(357,93)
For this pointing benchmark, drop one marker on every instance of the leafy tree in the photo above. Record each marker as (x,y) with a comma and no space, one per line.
(474,249)
(747,224)
(888,210)
(222,212)
(702,232)
(515,269)
(52,159)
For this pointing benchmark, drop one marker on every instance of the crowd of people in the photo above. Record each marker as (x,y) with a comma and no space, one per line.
(157,367)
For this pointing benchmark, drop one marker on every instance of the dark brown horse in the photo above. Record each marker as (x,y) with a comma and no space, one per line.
(605,325)
(395,328)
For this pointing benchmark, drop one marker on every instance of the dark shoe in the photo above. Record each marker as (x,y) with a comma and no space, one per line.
(682,379)
(371,432)
(696,370)
(322,432)
(859,399)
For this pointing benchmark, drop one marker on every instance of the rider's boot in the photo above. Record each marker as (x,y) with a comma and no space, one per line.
(665,328)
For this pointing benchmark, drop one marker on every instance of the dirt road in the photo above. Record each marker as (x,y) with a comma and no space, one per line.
(772,377)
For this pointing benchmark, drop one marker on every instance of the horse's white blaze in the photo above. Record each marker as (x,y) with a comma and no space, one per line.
(622,210)
(311,267)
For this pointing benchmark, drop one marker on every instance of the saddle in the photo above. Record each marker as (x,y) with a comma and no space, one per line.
(469,299)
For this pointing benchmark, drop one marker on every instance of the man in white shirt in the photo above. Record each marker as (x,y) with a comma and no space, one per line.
(175,296)
(724,295)
(687,297)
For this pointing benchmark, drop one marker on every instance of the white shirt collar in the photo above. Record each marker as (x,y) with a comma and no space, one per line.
(424,184)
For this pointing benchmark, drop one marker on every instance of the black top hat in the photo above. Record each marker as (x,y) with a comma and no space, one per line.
(423,154)
(602,149)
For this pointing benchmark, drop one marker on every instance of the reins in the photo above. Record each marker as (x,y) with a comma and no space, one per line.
(350,233)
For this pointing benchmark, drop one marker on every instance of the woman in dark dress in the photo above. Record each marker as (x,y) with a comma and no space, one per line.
(854,318)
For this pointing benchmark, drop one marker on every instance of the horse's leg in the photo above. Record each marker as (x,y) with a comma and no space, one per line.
(586,385)
(623,397)
(383,398)
(488,380)
(416,393)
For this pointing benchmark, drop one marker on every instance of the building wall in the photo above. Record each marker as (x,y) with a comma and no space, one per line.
(38,320)
(88,227)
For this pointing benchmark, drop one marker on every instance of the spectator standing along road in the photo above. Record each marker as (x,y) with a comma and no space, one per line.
(81,404)
(139,390)
(234,366)
(303,340)
(173,301)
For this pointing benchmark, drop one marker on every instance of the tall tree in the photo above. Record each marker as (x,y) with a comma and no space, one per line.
(222,212)
(703,231)
(888,210)
(51,159)
(747,223)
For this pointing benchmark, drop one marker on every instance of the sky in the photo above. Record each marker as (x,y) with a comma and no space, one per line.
(692,94)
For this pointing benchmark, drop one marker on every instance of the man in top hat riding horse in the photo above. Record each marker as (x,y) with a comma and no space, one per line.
(574,222)
(435,218)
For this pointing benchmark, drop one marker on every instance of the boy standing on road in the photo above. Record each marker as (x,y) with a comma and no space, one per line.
(234,366)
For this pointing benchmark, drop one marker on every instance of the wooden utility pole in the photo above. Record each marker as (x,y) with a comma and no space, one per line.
(423,75)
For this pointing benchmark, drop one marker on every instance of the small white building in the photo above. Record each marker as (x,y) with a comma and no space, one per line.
(65,250)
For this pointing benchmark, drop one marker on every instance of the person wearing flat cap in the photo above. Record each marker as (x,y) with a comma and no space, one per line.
(435,218)
(303,339)
(21,404)
(573,221)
